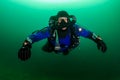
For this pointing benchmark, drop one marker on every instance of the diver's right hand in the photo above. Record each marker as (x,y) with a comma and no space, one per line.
(24,52)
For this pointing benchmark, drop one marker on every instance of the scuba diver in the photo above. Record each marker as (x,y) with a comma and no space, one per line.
(63,35)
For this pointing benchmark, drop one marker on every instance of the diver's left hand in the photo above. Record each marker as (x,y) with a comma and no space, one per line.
(101,45)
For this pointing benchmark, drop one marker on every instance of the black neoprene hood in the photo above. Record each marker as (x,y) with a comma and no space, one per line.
(62,14)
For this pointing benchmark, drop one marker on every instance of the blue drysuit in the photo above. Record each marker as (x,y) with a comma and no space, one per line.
(66,41)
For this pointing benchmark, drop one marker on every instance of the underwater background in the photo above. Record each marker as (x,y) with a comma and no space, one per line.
(19,18)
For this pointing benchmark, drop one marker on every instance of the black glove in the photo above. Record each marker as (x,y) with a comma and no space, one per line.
(24,52)
(101,45)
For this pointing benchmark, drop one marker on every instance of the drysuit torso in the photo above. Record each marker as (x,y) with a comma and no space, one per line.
(60,40)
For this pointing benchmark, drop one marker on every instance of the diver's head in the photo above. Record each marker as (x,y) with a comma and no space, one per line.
(63,20)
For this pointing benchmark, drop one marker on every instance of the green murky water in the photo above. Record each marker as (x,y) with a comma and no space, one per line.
(18,20)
